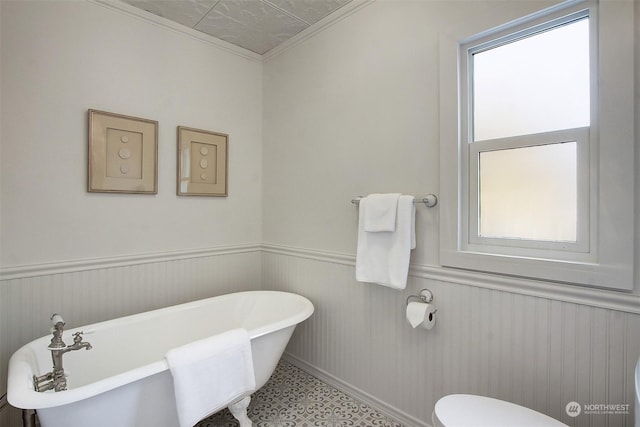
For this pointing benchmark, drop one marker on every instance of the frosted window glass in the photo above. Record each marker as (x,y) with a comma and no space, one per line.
(532,85)
(529,193)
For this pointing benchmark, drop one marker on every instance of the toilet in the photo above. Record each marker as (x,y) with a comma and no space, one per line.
(468,410)
(460,410)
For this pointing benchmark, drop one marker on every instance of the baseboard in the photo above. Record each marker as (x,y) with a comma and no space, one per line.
(4,410)
(3,402)
(386,409)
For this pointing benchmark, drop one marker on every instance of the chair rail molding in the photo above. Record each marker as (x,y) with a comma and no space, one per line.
(619,301)
(44,269)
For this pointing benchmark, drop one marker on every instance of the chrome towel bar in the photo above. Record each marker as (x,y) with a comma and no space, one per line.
(430,200)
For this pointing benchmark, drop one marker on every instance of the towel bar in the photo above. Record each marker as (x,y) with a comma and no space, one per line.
(430,200)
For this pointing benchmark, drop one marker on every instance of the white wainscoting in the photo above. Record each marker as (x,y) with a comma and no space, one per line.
(532,350)
(89,291)
(523,345)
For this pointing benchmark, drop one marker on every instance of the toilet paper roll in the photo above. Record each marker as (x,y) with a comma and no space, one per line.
(421,314)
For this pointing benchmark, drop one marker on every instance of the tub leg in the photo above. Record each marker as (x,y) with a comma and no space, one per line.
(239,411)
(29,418)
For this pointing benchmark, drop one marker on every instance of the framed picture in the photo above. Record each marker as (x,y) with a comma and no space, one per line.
(202,162)
(123,154)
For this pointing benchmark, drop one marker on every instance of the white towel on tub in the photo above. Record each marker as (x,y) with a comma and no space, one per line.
(383,257)
(211,373)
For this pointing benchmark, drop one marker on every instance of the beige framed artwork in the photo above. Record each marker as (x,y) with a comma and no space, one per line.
(202,162)
(123,154)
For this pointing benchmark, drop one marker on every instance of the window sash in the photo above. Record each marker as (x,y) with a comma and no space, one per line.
(519,41)
(538,248)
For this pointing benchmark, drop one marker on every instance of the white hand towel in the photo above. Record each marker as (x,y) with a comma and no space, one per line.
(383,258)
(210,374)
(380,212)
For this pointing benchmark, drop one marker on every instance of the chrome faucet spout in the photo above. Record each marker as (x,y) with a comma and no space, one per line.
(78,343)
(79,346)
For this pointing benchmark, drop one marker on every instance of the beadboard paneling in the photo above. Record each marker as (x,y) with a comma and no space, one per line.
(534,351)
(85,296)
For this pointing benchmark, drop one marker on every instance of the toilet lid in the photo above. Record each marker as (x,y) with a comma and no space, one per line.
(461,410)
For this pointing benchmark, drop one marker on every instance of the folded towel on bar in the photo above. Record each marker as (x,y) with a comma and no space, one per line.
(380,212)
(383,257)
(210,374)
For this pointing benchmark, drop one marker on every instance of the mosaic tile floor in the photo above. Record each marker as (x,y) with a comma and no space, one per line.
(294,398)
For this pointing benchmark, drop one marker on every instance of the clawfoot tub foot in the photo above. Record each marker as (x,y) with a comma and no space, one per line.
(239,411)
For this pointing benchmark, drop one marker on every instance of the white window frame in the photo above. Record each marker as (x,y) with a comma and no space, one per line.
(603,253)
(471,149)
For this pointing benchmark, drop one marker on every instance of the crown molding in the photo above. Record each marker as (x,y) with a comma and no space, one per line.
(326,22)
(310,31)
(159,21)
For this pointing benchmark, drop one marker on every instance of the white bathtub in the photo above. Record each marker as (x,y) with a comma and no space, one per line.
(124,379)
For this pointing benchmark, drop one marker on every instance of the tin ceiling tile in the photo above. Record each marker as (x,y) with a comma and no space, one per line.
(254,25)
(310,11)
(186,12)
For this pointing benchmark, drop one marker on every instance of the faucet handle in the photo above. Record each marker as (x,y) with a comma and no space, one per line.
(57,318)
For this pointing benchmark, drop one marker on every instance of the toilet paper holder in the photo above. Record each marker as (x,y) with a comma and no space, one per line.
(425,296)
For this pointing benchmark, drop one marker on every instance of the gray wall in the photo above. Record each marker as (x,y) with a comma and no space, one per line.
(352,110)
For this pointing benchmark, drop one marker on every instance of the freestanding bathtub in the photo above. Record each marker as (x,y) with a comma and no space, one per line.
(124,380)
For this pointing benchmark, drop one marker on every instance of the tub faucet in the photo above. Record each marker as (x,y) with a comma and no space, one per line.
(56,380)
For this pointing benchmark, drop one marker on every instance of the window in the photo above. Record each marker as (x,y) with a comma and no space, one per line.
(533,137)
(528,127)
